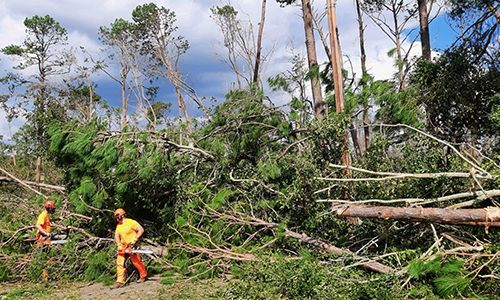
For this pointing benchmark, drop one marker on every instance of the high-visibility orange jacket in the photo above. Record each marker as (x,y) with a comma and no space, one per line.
(44,220)
(127,231)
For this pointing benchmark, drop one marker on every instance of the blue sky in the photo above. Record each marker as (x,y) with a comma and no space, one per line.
(211,78)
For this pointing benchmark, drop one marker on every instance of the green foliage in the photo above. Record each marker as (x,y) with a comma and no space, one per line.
(416,155)
(276,277)
(459,94)
(446,276)
(98,266)
(400,107)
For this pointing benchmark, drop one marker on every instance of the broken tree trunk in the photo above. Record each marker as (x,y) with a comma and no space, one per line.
(487,217)
(370,265)
(239,217)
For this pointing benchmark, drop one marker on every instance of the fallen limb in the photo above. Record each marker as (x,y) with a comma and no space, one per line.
(23,183)
(16,233)
(44,186)
(391,175)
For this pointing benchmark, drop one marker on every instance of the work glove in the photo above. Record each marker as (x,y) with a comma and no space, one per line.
(132,243)
(119,247)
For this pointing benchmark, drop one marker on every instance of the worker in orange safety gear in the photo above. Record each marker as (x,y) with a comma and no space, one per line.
(43,222)
(127,232)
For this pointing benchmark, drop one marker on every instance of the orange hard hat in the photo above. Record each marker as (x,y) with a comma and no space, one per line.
(49,204)
(119,212)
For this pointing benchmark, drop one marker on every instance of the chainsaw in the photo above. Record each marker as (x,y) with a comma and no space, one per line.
(134,249)
(45,240)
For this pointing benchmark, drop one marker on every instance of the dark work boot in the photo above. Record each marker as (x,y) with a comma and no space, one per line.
(117,285)
(141,280)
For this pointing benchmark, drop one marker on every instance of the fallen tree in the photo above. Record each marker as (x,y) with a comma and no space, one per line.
(236,218)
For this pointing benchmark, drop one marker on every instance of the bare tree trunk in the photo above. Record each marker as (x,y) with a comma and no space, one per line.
(259,43)
(124,104)
(355,142)
(397,38)
(312,59)
(12,144)
(180,104)
(337,77)
(424,30)
(38,167)
(488,217)
(361,29)
(335,60)
(237,71)
(363,70)
(186,114)
(473,151)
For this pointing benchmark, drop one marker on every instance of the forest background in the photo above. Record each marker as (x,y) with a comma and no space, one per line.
(351,188)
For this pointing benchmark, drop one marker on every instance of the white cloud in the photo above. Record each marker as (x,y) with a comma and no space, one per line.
(283,26)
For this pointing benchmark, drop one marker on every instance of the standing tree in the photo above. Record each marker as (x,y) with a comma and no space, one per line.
(82,102)
(478,22)
(155,32)
(160,110)
(12,111)
(307,16)
(425,40)
(123,47)
(244,50)
(40,49)
(364,71)
(401,12)
(256,72)
(225,18)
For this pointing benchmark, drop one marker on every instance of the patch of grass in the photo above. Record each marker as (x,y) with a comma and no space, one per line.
(196,290)
(23,293)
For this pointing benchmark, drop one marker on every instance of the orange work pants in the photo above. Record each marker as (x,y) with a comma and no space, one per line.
(120,266)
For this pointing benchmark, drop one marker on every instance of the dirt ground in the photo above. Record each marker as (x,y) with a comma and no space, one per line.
(97,291)
(151,289)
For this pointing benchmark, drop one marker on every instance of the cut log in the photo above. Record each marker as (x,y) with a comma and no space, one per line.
(487,217)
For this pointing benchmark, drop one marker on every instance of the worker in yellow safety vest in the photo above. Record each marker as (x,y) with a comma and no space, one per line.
(43,223)
(127,234)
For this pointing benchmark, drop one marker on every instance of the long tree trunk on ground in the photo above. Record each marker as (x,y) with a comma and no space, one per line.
(259,43)
(424,29)
(312,59)
(487,217)
(363,70)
